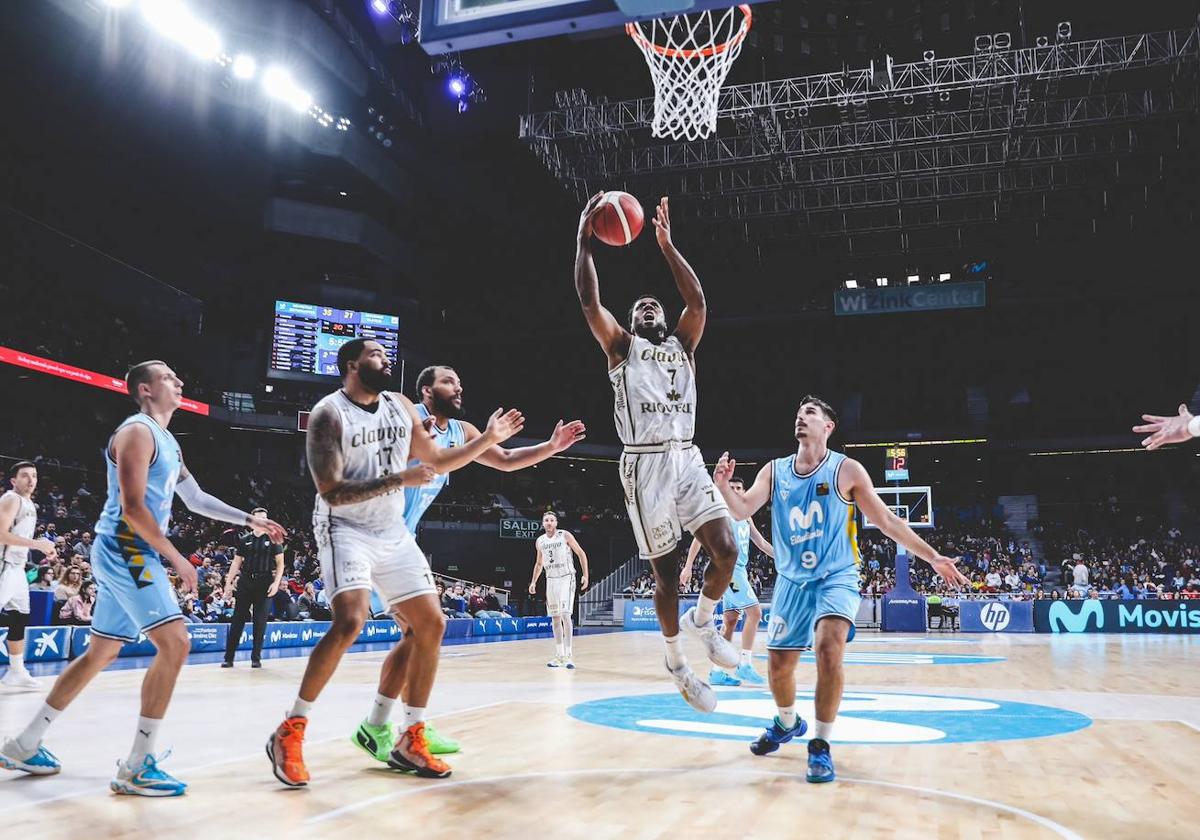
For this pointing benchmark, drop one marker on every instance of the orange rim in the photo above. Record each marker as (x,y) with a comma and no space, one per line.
(634,30)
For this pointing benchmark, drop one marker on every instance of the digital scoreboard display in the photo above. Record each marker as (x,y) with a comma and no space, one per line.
(895,464)
(306,337)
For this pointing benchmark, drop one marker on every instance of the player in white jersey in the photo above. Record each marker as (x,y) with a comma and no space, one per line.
(556,552)
(360,440)
(18,519)
(667,488)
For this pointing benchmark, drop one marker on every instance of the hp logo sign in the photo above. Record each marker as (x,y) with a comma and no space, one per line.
(994,616)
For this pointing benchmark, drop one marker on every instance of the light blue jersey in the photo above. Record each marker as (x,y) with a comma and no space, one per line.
(160,483)
(418,499)
(741,595)
(741,536)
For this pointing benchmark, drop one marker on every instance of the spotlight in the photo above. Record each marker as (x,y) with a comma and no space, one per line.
(943,277)
(1064,31)
(244,66)
(279,84)
(457,85)
(116,4)
(881,281)
(914,278)
(173,20)
(380,6)
(851,284)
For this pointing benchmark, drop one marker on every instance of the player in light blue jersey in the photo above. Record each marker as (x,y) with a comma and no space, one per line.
(129,558)
(439,404)
(740,599)
(814,495)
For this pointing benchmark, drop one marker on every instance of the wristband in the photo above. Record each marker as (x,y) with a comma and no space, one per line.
(1193,426)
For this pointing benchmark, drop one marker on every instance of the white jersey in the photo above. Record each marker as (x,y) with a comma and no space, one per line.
(23,525)
(557,558)
(655,393)
(374,444)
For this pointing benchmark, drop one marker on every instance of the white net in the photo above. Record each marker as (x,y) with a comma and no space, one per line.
(689,57)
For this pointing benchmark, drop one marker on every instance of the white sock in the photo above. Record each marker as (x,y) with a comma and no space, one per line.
(413,714)
(824,730)
(143,741)
(705,608)
(301,707)
(747,657)
(787,716)
(568,636)
(16,662)
(381,710)
(675,656)
(31,737)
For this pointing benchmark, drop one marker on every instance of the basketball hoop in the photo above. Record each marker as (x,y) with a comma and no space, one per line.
(689,57)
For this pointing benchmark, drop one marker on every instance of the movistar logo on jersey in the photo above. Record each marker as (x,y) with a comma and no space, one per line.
(1063,619)
(803,520)
(386,434)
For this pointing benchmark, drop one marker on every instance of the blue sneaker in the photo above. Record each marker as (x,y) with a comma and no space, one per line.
(146,780)
(746,673)
(40,763)
(775,734)
(718,677)
(820,762)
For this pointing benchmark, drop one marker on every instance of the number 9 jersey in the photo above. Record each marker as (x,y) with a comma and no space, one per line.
(813,529)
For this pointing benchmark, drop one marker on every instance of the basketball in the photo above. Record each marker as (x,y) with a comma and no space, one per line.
(621,219)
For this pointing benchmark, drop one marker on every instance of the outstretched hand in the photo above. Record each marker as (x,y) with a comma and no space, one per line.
(662,224)
(504,424)
(947,569)
(1164,430)
(587,219)
(567,435)
(724,470)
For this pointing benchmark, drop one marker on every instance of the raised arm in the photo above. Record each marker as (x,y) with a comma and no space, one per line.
(537,571)
(206,504)
(326,464)
(501,426)
(854,483)
(582,555)
(760,541)
(564,437)
(742,505)
(612,337)
(8,513)
(695,311)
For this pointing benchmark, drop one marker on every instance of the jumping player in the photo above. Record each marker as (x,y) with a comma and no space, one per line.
(359,442)
(18,519)
(145,470)
(813,496)
(667,488)
(739,599)
(440,409)
(554,554)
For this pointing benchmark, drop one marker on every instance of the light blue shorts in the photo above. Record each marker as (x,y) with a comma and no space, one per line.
(740,595)
(134,593)
(797,607)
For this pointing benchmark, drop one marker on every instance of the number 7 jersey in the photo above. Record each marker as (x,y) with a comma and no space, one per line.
(654,393)
(813,529)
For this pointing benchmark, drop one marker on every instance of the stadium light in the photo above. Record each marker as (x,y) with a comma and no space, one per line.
(380,6)
(279,84)
(851,284)
(914,278)
(881,281)
(244,66)
(458,86)
(173,20)
(943,277)
(117,4)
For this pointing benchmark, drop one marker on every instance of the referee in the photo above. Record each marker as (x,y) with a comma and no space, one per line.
(257,569)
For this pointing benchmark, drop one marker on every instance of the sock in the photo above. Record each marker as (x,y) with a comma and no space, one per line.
(747,657)
(143,741)
(675,657)
(16,662)
(31,737)
(705,607)
(787,716)
(381,710)
(301,707)
(824,730)
(412,715)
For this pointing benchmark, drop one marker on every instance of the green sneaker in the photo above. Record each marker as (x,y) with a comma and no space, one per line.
(438,743)
(375,741)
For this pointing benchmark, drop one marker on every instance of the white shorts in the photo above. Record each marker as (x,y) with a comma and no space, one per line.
(667,493)
(560,595)
(396,568)
(14,588)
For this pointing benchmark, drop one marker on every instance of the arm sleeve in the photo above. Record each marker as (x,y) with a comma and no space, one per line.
(208,505)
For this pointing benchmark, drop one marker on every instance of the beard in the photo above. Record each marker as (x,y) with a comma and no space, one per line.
(374,379)
(445,407)
(654,333)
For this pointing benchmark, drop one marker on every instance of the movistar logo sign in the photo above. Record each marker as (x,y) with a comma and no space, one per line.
(1063,619)
(1143,616)
(802,520)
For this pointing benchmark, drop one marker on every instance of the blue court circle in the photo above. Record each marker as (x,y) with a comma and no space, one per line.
(858,656)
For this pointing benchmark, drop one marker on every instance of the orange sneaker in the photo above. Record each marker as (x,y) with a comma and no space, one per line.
(412,753)
(285,748)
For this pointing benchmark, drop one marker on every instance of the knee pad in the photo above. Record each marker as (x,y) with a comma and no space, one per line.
(16,622)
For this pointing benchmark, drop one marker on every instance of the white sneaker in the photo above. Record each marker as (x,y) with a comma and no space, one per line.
(720,651)
(18,678)
(698,694)
(568,662)
(556,662)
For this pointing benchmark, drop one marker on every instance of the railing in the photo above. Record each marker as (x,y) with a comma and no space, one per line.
(598,598)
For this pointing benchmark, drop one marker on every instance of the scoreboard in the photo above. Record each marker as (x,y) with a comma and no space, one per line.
(306,337)
(895,464)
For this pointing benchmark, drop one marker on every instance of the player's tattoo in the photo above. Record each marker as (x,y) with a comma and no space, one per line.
(325,462)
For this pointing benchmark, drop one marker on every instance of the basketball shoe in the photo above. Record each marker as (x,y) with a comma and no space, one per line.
(718,677)
(556,662)
(776,734)
(18,678)
(285,748)
(720,650)
(698,694)
(820,762)
(146,780)
(375,741)
(438,743)
(746,673)
(40,762)
(412,753)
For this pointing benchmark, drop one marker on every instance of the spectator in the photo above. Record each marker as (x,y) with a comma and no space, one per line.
(44,580)
(78,608)
(69,585)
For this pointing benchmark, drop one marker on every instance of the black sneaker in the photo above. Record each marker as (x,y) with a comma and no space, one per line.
(226,664)
(256,664)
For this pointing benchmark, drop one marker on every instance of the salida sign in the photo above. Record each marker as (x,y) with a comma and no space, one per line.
(1092,616)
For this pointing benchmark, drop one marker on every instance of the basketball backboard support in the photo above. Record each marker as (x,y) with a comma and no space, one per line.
(912,504)
(453,25)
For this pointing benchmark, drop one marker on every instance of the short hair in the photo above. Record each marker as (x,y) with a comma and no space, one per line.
(257,509)
(349,352)
(20,465)
(738,479)
(138,375)
(549,513)
(639,299)
(821,404)
(425,378)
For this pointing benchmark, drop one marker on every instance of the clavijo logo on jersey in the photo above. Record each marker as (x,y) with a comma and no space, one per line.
(390,434)
(803,520)
(654,354)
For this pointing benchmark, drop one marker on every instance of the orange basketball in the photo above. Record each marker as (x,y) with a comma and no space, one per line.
(620,220)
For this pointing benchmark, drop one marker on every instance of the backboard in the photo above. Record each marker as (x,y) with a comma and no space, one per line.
(912,504)
(452,25)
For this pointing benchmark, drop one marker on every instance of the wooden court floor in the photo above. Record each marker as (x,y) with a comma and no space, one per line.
(945,736)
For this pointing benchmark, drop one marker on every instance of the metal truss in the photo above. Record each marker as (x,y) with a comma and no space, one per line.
(855,87)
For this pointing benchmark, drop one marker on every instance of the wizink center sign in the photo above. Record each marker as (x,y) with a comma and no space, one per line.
(1116,616)
(971,295)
